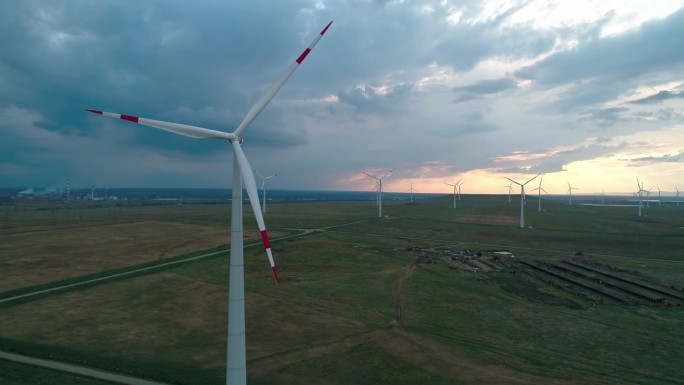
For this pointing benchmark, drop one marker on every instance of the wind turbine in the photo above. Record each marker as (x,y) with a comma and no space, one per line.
(648,197)
(459,184)
(676,188)
(522,199)
(539,190)
(510,188)
(456,188)
(640,192)
(379,181)
(263,189)
(236,370)
(411,190)
(377,194)
(570,188)
(658,187)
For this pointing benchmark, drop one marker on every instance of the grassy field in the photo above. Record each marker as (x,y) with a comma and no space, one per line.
(12,373)
(353,307)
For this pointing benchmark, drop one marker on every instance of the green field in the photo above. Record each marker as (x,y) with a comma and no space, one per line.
(353,306)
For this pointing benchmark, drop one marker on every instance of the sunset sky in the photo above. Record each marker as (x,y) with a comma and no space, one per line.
(585,92)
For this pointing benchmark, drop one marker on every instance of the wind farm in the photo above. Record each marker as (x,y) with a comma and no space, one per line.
(379,190)
(336,300)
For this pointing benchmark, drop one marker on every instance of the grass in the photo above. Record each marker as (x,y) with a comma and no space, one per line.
(334,319)
(20,374)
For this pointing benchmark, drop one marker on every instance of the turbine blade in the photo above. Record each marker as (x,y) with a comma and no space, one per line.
(513,181)
(250,186)
(389,172)
(182,129)
(531,179)
(265,98)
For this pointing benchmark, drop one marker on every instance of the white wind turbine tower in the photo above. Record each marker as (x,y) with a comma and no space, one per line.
(522,199)
(648,196)
(263,189)
(510,188)
(456,189)
(539,190)
(236,371)
(658,187)
(379,182)
(412,190)
(641,191)
(676,188)
(570,188)
(459,184)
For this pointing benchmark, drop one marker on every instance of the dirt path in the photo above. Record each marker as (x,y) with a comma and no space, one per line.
(399,317)
(80,370)
(422,352)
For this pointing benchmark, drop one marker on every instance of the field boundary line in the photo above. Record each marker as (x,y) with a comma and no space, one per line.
(76,369)
(107,278)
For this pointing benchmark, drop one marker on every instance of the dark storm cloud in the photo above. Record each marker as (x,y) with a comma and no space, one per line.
(655,46)
(607,116)
(660,114)
(464,46)
(602,69)
(659,97)
(557,161)
(678,158)
(139,59)
(470,123)
(370,99)
(483,87)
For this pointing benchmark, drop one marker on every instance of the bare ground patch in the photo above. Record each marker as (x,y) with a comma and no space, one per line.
(38,257)
(422,352)
(491,219)
(170,318)
(147,317)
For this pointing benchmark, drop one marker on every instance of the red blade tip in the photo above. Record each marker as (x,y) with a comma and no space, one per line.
(275,275)
(326,28)
(94,111)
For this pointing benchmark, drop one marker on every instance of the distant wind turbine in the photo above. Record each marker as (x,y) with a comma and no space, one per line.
(379,180)
(658,195)
(640,192)
(570,188)
(522,199)
(236,371)
(510,188)
(459,184)
(263,189)
(456,189)
(411,190)
(539,190)
(676,188)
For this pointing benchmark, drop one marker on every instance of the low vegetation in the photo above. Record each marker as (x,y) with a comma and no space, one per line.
(355,306)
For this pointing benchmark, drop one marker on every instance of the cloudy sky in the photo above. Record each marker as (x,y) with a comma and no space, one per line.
(586,92)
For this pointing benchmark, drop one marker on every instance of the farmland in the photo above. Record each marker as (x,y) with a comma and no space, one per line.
(354,306)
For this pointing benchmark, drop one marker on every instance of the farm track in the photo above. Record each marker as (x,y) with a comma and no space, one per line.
(108,278)
(76,369)
(399,316)
(57,228)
